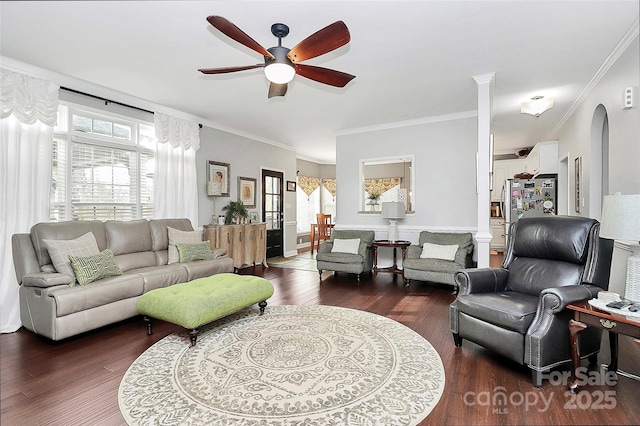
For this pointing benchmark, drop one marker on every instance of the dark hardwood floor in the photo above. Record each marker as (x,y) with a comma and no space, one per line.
(75,382)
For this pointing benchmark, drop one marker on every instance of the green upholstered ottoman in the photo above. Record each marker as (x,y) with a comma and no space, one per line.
(198,302)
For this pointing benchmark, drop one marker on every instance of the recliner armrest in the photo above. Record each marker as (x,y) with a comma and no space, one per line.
(482,280)
(47,279)
(555,299)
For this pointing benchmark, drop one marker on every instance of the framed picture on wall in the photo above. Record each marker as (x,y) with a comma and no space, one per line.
(578,182)
(247,191)
(291,186)
(219,174)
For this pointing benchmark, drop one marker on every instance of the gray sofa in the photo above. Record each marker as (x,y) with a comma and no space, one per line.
(52,306)
(353,263)
(439,270)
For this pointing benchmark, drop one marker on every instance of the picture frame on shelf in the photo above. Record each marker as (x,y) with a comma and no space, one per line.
(253,217)
(247,191)
(219,172)
(291,186)
(578,183)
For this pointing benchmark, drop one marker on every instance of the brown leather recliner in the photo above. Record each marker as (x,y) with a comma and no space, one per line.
(519,310)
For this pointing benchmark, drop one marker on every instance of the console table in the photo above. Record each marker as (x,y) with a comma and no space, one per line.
(245,244)
(401,244)
(586,315)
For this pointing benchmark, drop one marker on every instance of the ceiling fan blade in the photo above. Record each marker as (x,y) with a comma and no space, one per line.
(231,31)
(327,39)
(228,69)
(277,89)
(324,75)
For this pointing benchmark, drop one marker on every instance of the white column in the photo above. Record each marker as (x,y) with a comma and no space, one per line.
(485,100)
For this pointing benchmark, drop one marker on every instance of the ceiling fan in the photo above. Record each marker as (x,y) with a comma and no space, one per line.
(282,64)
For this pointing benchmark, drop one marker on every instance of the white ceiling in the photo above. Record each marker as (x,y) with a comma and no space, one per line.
(413,60)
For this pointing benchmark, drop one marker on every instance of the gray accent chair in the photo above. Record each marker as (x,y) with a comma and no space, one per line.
(347,262)
(518,310)
(438,270)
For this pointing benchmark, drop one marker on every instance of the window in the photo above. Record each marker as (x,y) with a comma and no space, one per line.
(103,167)
(314,195)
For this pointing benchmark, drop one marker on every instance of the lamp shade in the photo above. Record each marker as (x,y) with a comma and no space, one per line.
(621,217)
(214,189)
(393,210)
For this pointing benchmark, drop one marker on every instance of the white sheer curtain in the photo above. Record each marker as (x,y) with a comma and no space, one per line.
(28,113)
(176,184)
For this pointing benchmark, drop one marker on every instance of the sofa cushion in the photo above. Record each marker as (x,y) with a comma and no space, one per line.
(64,231)
(510,310)
(102,292)
(340,257)
(196,251)
(205,268)
(436,265)
(161,276)
(60,250)
(125,237)
(92,268)
(439,251)
(159,234)
(183,237)
(346,246)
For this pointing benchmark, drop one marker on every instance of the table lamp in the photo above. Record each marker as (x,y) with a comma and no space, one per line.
(214,189)
(393,211)
(621,221)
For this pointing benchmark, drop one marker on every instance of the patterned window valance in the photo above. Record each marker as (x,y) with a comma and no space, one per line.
(308,184)
(379,186)
(330,185)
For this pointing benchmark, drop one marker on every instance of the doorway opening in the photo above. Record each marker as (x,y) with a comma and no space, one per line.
(272,211)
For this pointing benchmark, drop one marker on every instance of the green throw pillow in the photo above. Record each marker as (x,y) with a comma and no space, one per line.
(91,268)
(196,251)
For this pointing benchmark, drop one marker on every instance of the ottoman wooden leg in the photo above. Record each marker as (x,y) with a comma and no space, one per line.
(262,305)
(194,336)
(148,321)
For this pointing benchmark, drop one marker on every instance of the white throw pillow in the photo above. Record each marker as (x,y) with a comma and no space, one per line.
(346,246)
(439,251)
(59,251)
(180,237)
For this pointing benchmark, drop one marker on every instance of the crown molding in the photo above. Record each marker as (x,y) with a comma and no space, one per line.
(408,123)
(621,47)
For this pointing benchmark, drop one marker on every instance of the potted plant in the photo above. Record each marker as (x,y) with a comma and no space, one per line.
(373,200)
(234,212)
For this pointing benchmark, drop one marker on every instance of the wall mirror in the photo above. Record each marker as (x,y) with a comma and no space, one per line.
(386,179)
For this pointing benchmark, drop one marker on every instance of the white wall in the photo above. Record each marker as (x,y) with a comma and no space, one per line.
(624,132)
(246,157)
(575,137)
(445,175)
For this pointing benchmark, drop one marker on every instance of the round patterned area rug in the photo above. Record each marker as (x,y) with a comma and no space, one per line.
(319,365)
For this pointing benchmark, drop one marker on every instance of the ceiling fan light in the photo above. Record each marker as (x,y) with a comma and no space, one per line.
(279,73)
(537,105)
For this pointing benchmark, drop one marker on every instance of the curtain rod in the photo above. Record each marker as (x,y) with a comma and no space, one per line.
(108,100)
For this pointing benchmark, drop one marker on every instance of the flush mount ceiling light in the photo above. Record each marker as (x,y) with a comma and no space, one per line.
(536,106)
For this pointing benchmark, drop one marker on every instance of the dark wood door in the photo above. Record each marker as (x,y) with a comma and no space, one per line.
(272,211)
